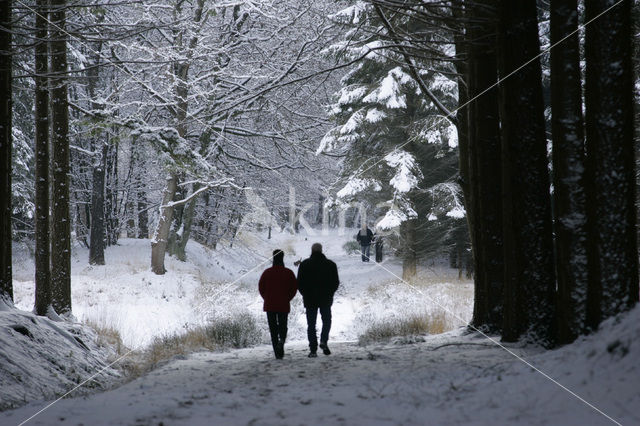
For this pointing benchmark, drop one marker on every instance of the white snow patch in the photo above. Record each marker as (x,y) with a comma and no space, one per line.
(356,185)
(374,115)
(456,213)
(388,92)
(349,95)
(404,179)
(353,122)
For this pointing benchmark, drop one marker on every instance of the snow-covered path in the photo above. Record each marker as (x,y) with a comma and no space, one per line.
(448,379)
(392,384)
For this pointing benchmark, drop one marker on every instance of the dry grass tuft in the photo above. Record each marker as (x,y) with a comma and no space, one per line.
(414,325)
(239,331)
(108,336)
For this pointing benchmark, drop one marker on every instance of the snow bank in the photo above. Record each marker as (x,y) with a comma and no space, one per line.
(41,358)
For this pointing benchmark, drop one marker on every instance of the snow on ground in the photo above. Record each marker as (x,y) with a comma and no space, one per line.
(41,358)
(125,295)
(449,379)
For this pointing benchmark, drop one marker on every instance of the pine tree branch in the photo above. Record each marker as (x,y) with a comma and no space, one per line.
(412,68)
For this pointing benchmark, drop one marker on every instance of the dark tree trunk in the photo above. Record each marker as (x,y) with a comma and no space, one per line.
(97,228)
(143,216)
(409,260)
(485,155)
(611,214)
(61,225)
(568,172)
(112,224)
(468,180)
(528,244)
(6,276)
(43,241)
(98,237)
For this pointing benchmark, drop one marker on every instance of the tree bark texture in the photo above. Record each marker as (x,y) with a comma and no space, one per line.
(112,206)
(6,275)
(485,154)
(61,225)
(568,172)
(611,214)
(528,244)
(409,259)
(467,178)
(98,236)
(187,220)
(143,216)
(161,237)
(43,240)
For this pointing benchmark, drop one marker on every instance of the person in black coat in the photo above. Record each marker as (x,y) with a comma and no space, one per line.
(317,282)
(364,237)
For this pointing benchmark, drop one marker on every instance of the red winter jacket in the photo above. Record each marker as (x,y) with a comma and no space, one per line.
(277,287)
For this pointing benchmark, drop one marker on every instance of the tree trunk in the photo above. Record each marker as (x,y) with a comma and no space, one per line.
(409,261)
(143,216)
(468,179)
(161,235)
(43,241)
(568,172)
(485,151)
(187,221)
(61,226)
(181,71)
(528,244)
(6,276)
(111,196)
(97,228)
(611,214)
(98,237)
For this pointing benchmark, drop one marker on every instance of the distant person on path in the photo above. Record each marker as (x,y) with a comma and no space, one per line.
(364,237)
(277,287)
(318,281)
(379,245)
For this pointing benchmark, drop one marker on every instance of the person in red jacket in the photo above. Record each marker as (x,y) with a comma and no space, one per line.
(277,287)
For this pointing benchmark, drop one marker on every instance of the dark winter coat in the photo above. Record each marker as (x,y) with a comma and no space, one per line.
(365,240)
(277,287)
(317,280)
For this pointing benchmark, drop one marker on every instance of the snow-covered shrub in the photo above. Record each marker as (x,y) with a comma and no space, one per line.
(238,331)
(351,247)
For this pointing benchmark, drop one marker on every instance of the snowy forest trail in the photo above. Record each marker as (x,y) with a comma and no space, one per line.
(442,379)
(448,379)
(382,384)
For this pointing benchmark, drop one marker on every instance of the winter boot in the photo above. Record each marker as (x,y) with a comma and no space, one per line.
(325,348)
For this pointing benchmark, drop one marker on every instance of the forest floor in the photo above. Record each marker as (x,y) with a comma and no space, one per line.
(448,378)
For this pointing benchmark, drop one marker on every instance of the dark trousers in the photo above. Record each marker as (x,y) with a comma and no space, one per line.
(312,316)
(277,327)
(366,251)
(378,251)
